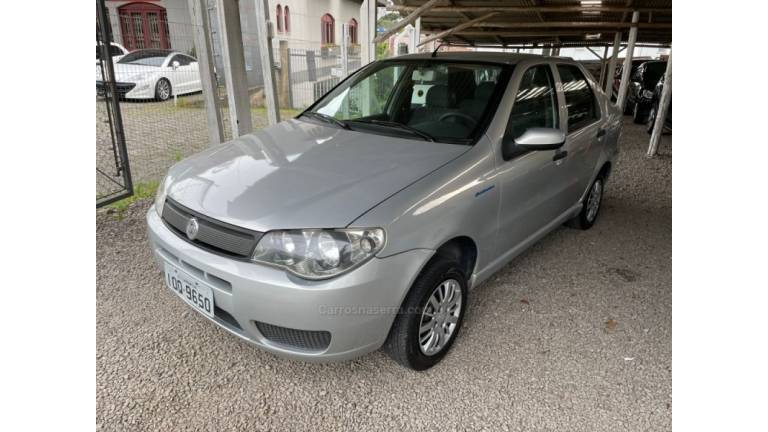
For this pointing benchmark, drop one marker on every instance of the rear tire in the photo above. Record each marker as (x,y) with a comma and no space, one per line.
(425,328)
(163,90)
(591,209)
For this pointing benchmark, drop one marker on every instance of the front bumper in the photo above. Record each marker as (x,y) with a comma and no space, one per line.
(356,308)
(128,90)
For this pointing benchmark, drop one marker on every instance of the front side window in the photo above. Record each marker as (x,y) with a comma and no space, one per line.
(579,98)
(182,59)
(535,102)
(435,100)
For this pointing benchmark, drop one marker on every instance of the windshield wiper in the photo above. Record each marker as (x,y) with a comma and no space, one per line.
(326,118)
(400,126)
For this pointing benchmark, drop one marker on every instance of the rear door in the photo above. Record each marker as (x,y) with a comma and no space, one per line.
(583,130)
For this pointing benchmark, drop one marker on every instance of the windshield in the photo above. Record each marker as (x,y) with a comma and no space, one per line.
(654,71)
(145,58)
(434,100)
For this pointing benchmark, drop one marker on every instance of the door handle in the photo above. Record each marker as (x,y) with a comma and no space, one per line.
(559,155)
(600,133)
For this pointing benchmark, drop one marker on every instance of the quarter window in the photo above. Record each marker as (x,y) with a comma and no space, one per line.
(535,102)
(579,98)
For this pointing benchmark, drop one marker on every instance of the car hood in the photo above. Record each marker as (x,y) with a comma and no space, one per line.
(302,175)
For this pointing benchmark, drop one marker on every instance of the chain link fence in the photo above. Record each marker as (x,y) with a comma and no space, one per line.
(158,80)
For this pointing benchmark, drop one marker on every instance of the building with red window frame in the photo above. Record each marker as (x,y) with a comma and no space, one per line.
(167,24)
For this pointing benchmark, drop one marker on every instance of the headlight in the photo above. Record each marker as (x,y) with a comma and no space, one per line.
(162,192)
(647,94)
(319,254)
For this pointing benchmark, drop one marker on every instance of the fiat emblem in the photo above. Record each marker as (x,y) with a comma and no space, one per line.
(192,227)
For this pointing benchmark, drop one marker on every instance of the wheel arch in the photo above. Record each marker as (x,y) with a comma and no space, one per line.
(463,249)
(605,170)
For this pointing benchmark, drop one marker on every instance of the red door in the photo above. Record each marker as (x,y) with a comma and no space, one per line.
(144,25)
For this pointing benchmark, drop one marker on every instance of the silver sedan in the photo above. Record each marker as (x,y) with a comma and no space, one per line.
(364,222)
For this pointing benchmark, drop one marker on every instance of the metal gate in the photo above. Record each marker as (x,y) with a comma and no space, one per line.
(113,172)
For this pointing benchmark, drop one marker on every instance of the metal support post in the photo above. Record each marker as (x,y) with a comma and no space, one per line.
(415,36)
(198,12)
(234,67)
(661,116)
(612,65)
(367,31)
(603,61)
(264,38)
(344,50)
(621,98)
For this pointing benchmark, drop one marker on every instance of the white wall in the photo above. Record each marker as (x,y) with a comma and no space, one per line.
(305,19)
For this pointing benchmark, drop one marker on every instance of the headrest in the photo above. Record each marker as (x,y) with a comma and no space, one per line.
(438,96)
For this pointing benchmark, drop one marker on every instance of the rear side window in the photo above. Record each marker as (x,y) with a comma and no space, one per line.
(579,98)
(535,102)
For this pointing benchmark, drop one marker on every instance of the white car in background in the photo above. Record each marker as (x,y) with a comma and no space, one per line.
(116,51)
(154,74)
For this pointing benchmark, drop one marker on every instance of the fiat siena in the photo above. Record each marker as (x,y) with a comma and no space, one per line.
(363,223)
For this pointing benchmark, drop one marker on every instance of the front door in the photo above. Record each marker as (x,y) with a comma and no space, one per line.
(185,77)
(531,188)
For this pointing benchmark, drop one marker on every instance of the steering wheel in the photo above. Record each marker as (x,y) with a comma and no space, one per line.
(472,122)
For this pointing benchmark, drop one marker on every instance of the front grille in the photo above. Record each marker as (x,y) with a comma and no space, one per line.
(122,88)
(212,235)
(302,339)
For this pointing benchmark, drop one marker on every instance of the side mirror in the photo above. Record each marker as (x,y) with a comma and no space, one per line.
(175,64)
(534,139)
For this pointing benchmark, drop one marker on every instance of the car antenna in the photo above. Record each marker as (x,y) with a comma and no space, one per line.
(434,53)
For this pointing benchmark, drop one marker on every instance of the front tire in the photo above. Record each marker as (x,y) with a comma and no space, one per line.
(589,212)
(628,107)
(651,120)
(430,317)
(637,115)
(163,90)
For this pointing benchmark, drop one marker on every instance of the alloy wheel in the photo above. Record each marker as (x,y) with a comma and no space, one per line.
(593,201)
(163,89)
(440,316)
(651,119)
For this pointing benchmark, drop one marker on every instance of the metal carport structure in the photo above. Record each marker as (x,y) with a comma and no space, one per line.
(546,24)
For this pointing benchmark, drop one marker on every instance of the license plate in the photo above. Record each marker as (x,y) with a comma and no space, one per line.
(195,293)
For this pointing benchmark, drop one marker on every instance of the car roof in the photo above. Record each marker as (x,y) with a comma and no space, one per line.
(156,51)
(480,56)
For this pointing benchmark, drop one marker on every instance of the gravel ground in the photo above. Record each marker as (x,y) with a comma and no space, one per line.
(574,335)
